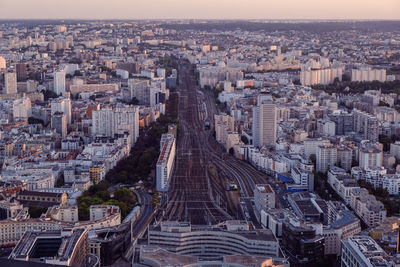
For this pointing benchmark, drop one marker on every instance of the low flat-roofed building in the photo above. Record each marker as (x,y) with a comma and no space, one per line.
(363,251)
(308,207)
(59,247)
(93,88)
(9,209)
(166,161)
(212,242)
(264,197)
(56,218)
(302,243)
(41,199)
(156,257)
(110,243)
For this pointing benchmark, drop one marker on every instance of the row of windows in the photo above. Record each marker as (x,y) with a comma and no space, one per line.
(210,242)
(202,235)
(38,198)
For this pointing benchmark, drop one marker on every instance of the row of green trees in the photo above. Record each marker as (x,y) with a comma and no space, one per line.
(98,194)
(137,166)
(322,187)
(391,205)
(386,141)
(168,63)
(141,161)
(36,212)
(359,87)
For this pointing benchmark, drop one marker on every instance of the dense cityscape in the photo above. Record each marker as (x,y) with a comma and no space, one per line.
(199,143)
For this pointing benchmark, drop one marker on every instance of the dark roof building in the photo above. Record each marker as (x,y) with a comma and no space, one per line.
(41,199)
(60,247)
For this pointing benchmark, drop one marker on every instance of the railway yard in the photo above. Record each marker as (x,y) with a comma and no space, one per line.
(197,191)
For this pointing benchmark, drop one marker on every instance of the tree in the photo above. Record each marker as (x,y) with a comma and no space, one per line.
(84,202)
(101,186)
(244,139)
(83,211)
(104,195)
(36,212)
(60,181)
(75,60)
(397,162)
(47,94)
(354,163)
(296,82)
(32,120)
(124,195)
(313,158)
(346,78)
(383,104)
(134,101)
(386,141)
(78,73)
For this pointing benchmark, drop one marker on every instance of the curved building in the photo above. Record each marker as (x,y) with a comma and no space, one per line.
(213,242)
(156,257)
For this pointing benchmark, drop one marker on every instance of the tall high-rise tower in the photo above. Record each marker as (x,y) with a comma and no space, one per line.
(264,124)
(59,82)
(10,83)
(3,64)
(22,75)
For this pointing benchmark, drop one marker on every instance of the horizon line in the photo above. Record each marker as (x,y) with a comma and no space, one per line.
(206,19)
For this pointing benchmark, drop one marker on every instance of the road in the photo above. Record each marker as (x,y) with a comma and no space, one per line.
(139,226)
(145,213)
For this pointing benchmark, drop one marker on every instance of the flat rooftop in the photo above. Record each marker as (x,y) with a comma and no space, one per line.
(36,244)
(264,188)
(165,258)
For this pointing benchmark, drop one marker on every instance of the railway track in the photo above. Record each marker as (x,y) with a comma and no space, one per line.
(192,195)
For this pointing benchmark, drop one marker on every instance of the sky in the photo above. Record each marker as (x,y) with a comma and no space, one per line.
(200,9)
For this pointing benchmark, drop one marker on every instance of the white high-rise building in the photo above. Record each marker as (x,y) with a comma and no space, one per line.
(309,76)
(264,197)
(320,72)
(59,122)
(370,157)
(228,87)
(161,73)
(366,74)
(326,157)
(165,162)
(366,125)
(109,121)
(31,86)
(264,124)
(10,83)
(3,64)
(62,105)
(21,108)
(140,89)
(223,125)
(310,146)
(59,82)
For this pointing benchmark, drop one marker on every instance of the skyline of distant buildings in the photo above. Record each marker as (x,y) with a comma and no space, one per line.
(291,151)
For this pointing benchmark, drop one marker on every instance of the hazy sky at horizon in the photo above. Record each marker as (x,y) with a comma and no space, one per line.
(207,9)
